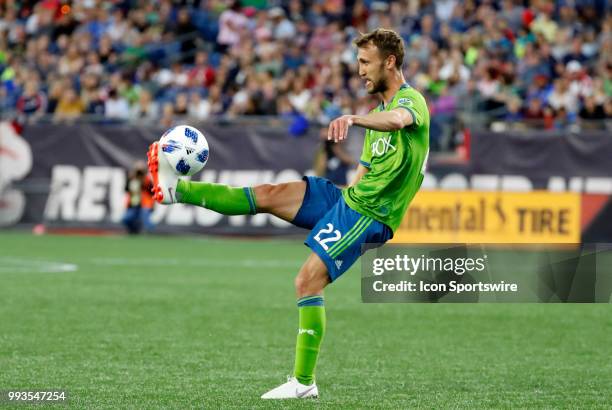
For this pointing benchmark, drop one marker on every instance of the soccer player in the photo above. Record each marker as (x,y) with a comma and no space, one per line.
(369,210)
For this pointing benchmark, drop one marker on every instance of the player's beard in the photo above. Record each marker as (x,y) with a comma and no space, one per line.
(380,86)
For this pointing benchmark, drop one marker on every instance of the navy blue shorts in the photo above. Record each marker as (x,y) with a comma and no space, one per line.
(337,231)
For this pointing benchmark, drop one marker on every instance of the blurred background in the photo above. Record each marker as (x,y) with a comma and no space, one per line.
(519,94)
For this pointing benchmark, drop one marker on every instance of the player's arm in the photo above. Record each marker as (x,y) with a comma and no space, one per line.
(361,171)
(393,120)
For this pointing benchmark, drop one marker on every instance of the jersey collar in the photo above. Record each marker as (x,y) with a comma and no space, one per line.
(402,87)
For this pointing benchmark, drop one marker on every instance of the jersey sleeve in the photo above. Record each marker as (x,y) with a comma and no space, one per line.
(366,154)
(413,104)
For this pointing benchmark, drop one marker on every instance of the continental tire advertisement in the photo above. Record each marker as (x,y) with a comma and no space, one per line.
(488,217)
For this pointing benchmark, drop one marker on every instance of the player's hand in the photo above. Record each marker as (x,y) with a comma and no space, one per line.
(338,128)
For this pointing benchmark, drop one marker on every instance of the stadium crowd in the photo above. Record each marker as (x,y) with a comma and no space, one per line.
(544,62)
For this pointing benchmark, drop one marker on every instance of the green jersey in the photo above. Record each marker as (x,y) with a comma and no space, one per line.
(396,162)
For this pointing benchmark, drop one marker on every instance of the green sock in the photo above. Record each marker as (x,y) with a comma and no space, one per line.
(220,198)
(310,335)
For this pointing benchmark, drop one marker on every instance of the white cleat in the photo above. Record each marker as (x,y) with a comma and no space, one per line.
(293,390)
(164,177)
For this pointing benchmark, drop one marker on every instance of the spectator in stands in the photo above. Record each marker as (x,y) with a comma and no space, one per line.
(218,104)
(202,74)
(70,107)
(186,32)
(561,97)
(199,109)
(562,118)
(232,24)
(116,107)
(72,62)
(167,118)
(107,51)
(282,28)
(91,95)
(118,28)
(513,114)
(145,109)
(544,24)
(580,83)
(299,95)
(591,114)
(56,90)
(534,111)
(32,102)
(575,53)
(259,27)
(181,105)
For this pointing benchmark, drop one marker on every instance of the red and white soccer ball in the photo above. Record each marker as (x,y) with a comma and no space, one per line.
(185,148)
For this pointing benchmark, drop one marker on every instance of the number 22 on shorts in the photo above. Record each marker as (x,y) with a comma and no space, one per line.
(324,241)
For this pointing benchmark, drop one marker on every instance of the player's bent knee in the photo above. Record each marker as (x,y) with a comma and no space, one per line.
(266,196)
(301,285)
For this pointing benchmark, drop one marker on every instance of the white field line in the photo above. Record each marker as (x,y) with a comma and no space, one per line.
(20,265)
(200,262)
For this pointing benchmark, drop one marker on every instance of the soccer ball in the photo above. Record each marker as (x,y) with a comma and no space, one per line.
(185,148)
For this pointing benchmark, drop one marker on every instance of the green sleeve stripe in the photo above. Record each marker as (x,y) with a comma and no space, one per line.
(360,222)
(410,111)
(353,239)
(251,198)
(308,298)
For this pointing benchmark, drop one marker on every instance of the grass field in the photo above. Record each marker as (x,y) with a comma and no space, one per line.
(180,322)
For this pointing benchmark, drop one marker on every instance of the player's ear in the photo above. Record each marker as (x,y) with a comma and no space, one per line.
(390,62)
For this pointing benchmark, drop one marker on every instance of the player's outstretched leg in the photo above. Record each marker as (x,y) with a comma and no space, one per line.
(309,284)
(169,189)
(282,200)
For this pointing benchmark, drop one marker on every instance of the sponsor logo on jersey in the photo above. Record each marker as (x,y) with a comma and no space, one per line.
(405,102)
(382,145)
